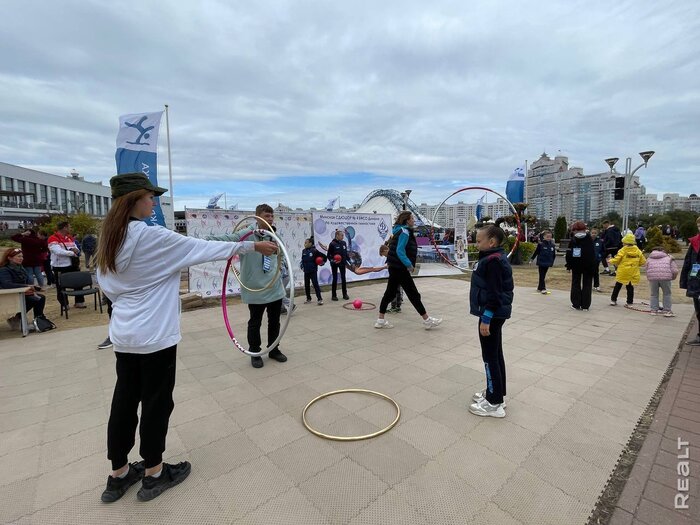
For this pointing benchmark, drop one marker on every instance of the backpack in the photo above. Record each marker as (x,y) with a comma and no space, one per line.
(42,324)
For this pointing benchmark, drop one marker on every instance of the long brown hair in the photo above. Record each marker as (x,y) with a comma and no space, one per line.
(11,252)
(114,228)
(403,217)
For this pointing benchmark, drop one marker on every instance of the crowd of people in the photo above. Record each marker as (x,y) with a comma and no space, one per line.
(138,268)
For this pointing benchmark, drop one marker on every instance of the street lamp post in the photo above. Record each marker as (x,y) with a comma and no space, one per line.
(629,174)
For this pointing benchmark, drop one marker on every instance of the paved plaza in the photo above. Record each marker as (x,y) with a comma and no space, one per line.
(577,384)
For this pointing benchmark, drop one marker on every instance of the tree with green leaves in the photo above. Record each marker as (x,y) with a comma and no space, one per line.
(81,224)
(561,229)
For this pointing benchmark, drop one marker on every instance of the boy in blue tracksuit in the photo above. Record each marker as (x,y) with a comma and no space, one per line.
(491,300)
(545,253)
(310,267)
(599,250)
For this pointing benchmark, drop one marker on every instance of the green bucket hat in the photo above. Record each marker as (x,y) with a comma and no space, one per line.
(128,182)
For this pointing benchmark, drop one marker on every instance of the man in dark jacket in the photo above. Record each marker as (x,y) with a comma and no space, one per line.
(612,240)
(35,250)
(338,247)
(580,261)
(89,247)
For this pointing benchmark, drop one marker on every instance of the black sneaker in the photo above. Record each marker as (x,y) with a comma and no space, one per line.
(170,476)
(117,487)
(346,297)
(278,356)
(107,343)
(334,298)
(694,342)
(256,361)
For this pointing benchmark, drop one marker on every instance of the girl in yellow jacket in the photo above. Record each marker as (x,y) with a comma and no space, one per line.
(628,261)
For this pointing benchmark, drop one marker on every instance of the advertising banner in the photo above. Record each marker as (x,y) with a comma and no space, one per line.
(363,233)
(206,279)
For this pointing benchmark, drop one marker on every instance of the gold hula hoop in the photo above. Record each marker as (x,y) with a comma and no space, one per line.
(351,438)
(236,273)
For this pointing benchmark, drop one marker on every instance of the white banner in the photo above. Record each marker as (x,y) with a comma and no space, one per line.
(364,234)
(206,279)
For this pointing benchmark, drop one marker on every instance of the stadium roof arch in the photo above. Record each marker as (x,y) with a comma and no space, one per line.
(391,203)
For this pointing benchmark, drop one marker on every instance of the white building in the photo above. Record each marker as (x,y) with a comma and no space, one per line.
(448,214)
(26,194)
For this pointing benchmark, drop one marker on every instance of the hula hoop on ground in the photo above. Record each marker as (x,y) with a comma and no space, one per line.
(350,306)
(285,323)
(467,188)
(351,438)
(269,230)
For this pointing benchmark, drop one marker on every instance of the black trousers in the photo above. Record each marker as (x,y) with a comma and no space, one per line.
(334,269)
(543,273)
(494,363)
(581,289)
(616,292)
(401,277)
(148,379)
(596,274)
(309,278)
(696,304)
(274,310)
(56,273)
(49,272)
(35,303)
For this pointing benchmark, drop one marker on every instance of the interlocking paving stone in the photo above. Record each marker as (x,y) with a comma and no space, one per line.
(253,461)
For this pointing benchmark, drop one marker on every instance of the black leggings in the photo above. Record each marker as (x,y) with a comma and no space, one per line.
(616,292)
(543,273)
(335,268)
(696,304)
(148,379)
(401,277)
(494,363)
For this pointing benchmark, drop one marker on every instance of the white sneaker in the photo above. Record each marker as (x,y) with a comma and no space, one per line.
(486,409)
(613,303)
(479,396)
(669,313)
(383,323)
(431,322)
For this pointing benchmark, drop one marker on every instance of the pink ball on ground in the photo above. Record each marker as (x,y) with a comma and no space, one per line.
(357,303)
(319,260)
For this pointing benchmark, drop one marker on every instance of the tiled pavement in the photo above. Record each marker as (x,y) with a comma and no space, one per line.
(664,485)
(577,384)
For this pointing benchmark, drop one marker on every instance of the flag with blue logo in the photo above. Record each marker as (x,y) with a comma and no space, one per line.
(331,204)
(515,187)
(480,207)
(137,149)
(214,201)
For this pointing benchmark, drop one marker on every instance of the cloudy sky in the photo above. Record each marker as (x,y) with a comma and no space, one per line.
(300,101)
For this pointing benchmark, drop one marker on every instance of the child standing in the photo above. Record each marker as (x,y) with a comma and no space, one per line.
(599,251)
(661,270)
(545,253)
(627,261)
(310,267)
(491,299)
(580,261)
(690,277)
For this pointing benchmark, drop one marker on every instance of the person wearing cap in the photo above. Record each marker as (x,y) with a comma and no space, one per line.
(581,262)
(628,260)
(14,275)
(139,267)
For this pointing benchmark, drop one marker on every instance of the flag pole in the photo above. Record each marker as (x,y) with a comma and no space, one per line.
(170,170)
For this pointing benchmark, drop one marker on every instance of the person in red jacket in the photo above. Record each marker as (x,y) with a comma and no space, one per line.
(35,250)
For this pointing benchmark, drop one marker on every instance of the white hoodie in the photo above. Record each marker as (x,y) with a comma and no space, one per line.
(145,291)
